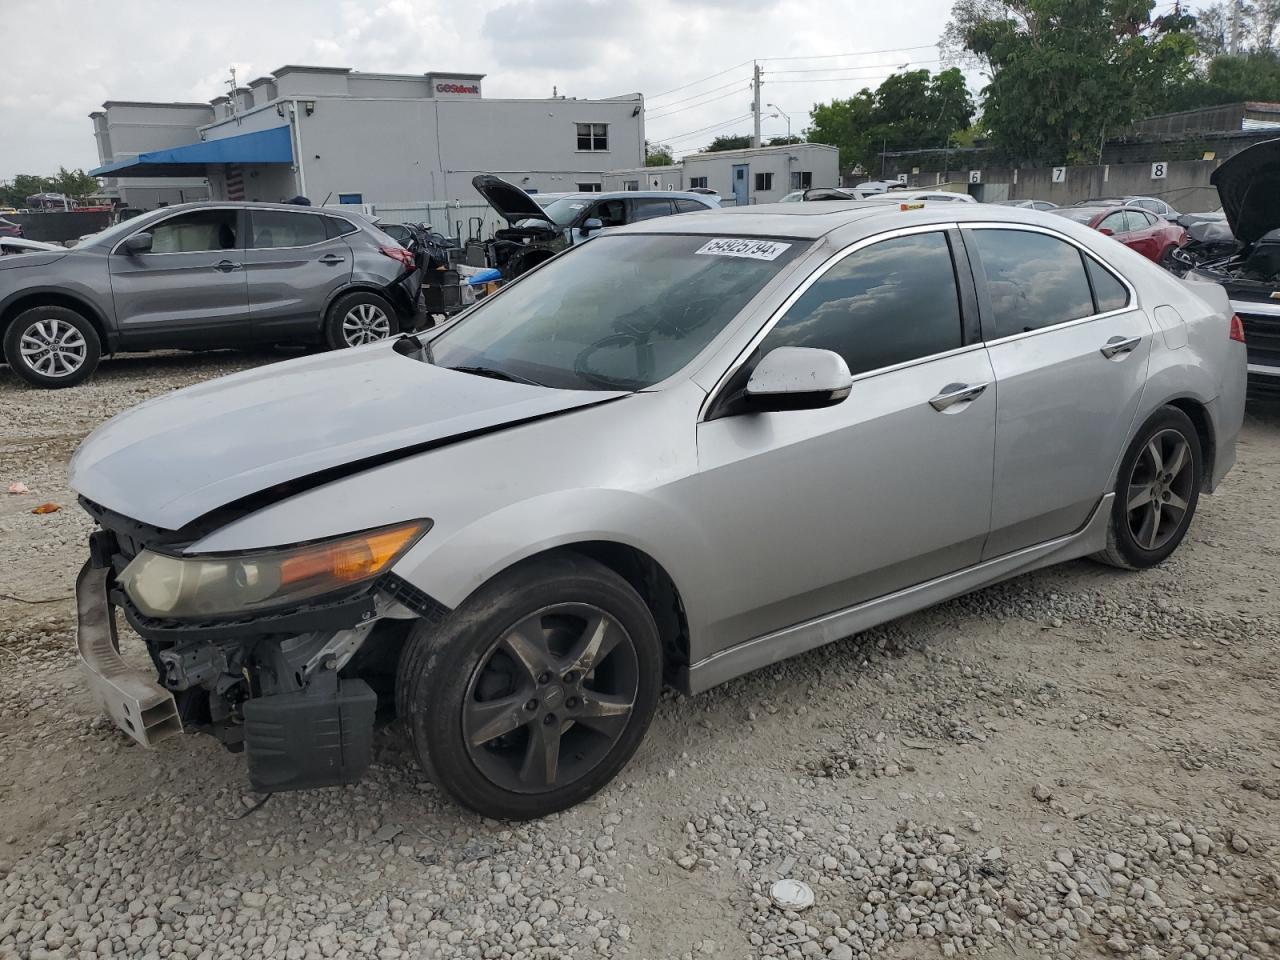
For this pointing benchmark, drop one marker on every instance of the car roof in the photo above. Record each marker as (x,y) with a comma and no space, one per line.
(263,205)
(635,194)
(816,219)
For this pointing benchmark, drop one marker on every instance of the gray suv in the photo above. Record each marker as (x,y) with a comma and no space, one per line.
(200,276)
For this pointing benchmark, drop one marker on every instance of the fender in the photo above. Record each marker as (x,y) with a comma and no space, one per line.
(74,296)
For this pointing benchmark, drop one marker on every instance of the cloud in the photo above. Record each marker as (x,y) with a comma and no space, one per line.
(569,35)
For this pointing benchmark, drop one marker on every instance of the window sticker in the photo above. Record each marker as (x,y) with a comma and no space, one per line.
(739,247)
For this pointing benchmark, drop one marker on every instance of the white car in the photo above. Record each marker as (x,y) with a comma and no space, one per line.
(900,196)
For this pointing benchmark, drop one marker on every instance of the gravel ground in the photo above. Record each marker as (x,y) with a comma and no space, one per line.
(1078,762)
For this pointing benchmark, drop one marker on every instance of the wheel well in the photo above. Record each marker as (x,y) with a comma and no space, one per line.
(51,298)
(655,587)
(1204,428)
(359,287)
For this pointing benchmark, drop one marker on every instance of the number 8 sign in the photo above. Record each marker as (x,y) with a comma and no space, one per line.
(1159,170)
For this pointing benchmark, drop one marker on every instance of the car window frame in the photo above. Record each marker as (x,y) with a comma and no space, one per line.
(984,299)
(717,397)
(324,227)
(629,208)
(1124,220)
(241,223)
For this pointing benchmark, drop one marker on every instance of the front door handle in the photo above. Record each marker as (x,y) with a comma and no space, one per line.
(1119,347)
(331,258)
(226,266)
(954,393)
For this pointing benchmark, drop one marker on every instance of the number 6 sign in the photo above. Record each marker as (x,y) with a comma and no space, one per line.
(975,176)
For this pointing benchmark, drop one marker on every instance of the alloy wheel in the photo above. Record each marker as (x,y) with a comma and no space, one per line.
(550,698)
(53,347)
(1160,489)
(365,323)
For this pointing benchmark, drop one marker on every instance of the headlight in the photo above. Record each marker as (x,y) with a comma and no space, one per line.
(165,586)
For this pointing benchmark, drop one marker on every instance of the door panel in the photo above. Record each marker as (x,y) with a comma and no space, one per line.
(740,186)
(1064,409)
(292,270)
(190,290)
(813,511)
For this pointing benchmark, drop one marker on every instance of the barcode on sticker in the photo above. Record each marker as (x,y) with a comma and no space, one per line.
(752,249)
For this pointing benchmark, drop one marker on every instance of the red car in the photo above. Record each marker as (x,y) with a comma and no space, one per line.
(1152,236)
(10,229)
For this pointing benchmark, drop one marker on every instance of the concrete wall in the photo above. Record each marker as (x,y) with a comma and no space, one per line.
(647,178)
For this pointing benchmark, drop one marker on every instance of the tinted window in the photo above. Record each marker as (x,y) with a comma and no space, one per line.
(275,228)
(339,227)
(1034,281)
(648,208)
(610,213)
(195,232)
(688,206)
(1109,292)
(884,304)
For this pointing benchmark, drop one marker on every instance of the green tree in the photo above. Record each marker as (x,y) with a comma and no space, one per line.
(73,183)
(1064,72)
(785,141)
(908,111)
(657,155)
(728,141)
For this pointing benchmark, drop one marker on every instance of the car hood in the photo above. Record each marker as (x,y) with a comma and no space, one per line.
(36,258)
(512,203)
(175,459)
(1249,187)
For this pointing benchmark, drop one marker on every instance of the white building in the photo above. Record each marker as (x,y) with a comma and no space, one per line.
(753,175)
(331,133)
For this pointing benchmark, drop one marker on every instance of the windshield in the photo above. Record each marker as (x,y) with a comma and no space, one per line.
(618,313)
(565,210)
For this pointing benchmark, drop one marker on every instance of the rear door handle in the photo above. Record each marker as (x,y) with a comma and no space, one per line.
(954,393)
(1119,346)
(226,266)
(332,258)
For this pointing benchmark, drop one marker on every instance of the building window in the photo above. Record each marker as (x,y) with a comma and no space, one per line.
(801,179)
(593,136)
(697,182)
(589,188)
(351,198)
(764,181)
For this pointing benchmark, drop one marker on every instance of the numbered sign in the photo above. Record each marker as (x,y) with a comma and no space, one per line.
(975,176)
(1159,170)
(1059,174)
(902,178)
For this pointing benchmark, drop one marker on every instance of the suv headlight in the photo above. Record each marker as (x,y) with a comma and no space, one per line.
(164,586)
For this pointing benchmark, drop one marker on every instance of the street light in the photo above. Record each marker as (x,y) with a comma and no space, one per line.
(785,116)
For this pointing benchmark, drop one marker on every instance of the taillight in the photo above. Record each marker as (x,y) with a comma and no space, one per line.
(397,253)
(1237,328)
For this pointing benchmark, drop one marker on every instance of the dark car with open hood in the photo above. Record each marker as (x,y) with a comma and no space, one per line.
(1249,186)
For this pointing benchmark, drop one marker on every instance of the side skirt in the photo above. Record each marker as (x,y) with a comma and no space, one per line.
(789,641)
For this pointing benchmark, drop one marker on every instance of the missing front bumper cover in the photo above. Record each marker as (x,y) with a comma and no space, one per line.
(138,705)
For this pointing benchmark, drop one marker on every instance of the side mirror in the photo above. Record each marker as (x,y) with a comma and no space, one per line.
(798,378)
(138,243)
(1106,231)
(590,224)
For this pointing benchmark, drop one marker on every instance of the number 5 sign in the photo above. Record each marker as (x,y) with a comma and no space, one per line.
(975,176)
(1159,170)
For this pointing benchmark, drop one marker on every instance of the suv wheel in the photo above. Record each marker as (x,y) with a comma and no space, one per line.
(1156,492)
(535,692)
(358,318)
(52,347)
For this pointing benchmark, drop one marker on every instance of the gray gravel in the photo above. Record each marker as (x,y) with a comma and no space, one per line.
(1078,762)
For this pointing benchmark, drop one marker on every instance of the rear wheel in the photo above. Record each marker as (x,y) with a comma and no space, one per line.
(534,693)
(1156,492)
(52,346)
(358,318)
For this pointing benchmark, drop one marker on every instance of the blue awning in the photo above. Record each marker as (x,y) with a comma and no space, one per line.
(264,146)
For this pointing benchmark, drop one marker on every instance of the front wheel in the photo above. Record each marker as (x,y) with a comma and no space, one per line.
(52,347)
(536,691)
(1157,489)
(358,318)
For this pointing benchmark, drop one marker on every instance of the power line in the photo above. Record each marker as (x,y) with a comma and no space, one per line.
(695,96)
(694,83)
(702,130)
(860,53)
(864,66)
(883,76)
(693,106)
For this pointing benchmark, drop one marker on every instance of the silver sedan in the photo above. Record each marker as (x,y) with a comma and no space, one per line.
(675,454)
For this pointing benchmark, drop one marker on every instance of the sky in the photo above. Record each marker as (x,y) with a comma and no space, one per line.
(690,58)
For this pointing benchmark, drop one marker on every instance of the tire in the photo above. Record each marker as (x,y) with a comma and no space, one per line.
(71,347)
(357,318)
(480,703)
(1134,541)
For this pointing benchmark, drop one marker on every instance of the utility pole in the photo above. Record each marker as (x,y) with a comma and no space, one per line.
(755,101)
(1234,48)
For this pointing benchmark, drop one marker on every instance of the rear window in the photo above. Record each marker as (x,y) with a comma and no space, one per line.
(1034,281)
(339,227)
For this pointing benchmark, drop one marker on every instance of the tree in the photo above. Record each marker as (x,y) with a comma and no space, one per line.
(657,154)
(1064,72)
(728,141)
(73,183)
(908,111)
(785,141)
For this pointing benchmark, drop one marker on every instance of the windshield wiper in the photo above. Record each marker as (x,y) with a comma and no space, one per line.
(497,375)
